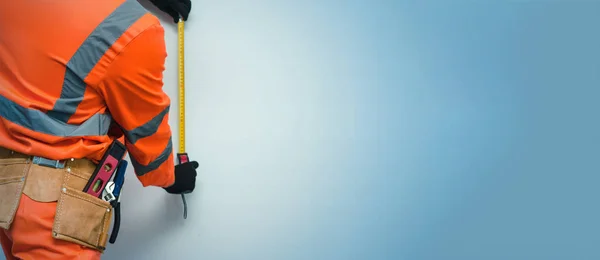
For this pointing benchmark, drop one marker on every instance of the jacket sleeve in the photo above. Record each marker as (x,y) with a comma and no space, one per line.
(132,89)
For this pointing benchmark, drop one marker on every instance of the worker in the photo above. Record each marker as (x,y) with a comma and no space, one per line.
(74,77)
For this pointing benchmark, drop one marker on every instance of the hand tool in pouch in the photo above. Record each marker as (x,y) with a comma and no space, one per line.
(105,169)
(119,181)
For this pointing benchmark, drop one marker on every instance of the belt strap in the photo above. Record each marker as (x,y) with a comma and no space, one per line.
(57,164)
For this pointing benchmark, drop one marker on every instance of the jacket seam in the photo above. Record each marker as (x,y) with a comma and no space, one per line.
(109,66)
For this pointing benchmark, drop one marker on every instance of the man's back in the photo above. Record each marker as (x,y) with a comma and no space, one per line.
(74,76)
(61,84)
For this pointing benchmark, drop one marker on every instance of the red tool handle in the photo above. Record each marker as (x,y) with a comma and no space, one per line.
(183,158)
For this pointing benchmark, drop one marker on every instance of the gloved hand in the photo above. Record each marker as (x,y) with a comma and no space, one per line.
(175,8)
(185,178)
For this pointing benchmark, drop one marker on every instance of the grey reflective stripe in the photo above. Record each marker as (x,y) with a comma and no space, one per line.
(39,121)
(148,129)
(143,169)
(89,53)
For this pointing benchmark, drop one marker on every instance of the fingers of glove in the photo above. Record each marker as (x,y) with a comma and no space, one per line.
(166,7)
(161,5)
(195,164)
(190,184)
(187,169)
(183,7)
(173,14)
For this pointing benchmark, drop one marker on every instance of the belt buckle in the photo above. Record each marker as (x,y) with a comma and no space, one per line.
(49,163)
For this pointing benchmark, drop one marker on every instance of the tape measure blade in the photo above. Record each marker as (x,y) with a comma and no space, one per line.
(180,32)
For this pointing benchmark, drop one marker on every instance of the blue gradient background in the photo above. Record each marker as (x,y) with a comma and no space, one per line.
(382,130)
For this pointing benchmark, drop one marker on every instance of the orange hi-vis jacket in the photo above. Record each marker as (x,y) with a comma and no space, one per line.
(77,74)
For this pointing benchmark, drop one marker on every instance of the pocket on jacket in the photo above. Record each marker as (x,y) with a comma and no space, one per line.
(82,218)
(12,178)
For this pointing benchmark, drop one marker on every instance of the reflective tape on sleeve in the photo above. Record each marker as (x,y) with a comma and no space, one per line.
(141,169)
(89,53)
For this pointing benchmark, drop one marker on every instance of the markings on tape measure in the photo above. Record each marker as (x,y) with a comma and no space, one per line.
(181,87)
(181,100)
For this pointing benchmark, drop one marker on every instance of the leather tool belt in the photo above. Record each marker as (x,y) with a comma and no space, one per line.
(80,217)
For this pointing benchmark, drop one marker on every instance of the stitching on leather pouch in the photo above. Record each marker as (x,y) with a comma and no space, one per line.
(101,231)
(105,227)
(13,161)
(17,195)
(59,214)
(60,204)
(78,175)
(69,193)
(74,238)
(11,180)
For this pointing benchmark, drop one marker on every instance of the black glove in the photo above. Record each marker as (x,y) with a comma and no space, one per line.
(185,178)
(175,8)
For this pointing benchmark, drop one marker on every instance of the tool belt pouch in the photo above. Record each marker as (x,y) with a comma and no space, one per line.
(80,217)
(12,179)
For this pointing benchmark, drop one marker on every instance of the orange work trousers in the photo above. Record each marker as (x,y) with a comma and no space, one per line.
(30,236)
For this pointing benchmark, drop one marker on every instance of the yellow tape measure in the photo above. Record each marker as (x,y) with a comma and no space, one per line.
(181,100)
(181,87)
